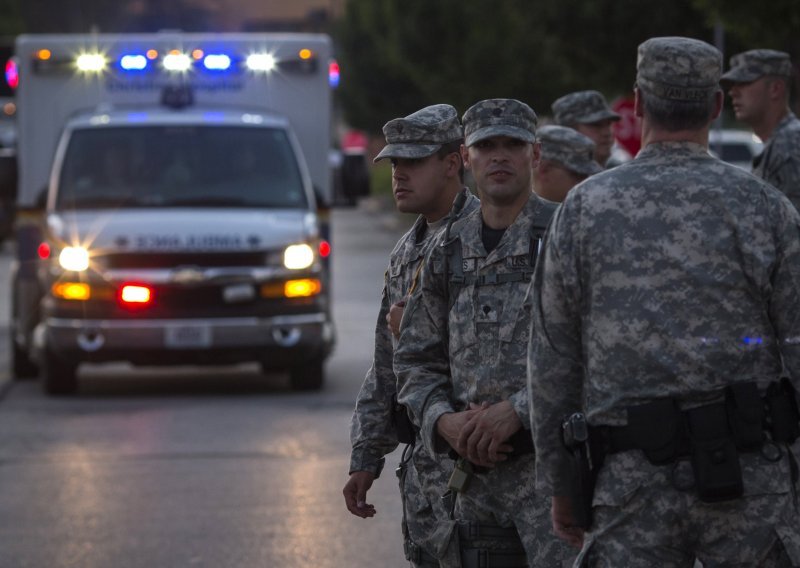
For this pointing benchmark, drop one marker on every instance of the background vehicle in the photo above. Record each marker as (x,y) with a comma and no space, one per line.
(8,141)
(168,195)
(737,147)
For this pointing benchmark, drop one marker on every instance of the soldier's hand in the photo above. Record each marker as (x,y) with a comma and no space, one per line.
(563,523)
(355,494)
(394,317)
(449,426)
(484,435)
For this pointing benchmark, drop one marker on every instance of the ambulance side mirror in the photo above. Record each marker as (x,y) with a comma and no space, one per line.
(41,199)
(322,202)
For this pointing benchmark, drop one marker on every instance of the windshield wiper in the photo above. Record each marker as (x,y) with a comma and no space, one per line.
(103,201)
(206,201)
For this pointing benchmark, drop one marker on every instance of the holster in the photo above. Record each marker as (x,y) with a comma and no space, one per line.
(403,426)
(575,436)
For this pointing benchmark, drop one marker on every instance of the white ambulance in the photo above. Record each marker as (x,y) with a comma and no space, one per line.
(169,203)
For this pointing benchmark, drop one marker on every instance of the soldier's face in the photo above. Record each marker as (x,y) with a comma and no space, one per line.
(750,100)
(602,134)
(502,167)
(418,184)
(553,181)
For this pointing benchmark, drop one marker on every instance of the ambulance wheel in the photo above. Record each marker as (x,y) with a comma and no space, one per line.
(60,377)
(308,376)
(21,365)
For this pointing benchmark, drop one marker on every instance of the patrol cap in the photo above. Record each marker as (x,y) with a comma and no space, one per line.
(569,148)
(582,107)
(499,117)
(422,133)
(756,63)
(678,68)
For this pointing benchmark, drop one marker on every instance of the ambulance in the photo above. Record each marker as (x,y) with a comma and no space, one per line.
(170,203)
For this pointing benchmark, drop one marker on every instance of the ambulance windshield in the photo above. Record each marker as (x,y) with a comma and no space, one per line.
(180,166)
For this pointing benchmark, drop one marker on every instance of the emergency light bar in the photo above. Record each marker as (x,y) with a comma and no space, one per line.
(149,60)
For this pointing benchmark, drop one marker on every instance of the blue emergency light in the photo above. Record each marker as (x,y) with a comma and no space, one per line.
(333,74)
(12,73)
(133,62)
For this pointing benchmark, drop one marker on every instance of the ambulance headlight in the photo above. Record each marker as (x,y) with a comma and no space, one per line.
(261,62)
(75,259)
(297,257)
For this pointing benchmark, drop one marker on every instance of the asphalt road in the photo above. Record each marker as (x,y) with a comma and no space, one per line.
(219,467)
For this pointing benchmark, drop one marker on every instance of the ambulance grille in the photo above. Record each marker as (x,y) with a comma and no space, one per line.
(171,260)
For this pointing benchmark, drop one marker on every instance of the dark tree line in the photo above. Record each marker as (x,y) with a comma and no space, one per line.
(399,55)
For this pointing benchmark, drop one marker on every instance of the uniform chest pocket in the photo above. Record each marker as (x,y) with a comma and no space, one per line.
(462,322)
(515,316)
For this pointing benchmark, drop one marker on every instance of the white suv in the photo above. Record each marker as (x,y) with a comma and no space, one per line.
(737,147)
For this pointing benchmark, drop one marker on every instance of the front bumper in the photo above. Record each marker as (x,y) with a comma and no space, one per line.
(278,340)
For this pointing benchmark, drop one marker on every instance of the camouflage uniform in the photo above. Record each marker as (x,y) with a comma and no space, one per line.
(373,433)
(673,275)
(475,352)
(582,107)
(779,161)
(570,148)
(586,107)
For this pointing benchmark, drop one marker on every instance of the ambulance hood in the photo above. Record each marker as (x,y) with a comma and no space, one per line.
(173,230)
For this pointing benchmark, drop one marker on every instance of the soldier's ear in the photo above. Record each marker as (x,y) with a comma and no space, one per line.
(465,156)
(453,163)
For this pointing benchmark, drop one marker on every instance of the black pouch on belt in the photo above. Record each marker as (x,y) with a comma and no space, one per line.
(745,410)
(656,428)
(715,459)
(781,402)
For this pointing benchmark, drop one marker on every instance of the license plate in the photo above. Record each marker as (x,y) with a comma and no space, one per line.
(183,336)
(238,293)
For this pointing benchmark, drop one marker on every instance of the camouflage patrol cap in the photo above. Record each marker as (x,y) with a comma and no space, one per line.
(756,63)
(582,107)
(422,133)
(569,148)
(678,68)
(499,117)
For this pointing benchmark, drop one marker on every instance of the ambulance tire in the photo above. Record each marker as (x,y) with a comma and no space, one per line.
(60,377)
(21,365)
(308,376)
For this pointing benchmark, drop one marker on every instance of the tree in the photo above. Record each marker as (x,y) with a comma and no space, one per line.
(400,55)
(11,22)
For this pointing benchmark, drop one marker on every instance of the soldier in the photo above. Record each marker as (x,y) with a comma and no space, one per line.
(665,306)
(758,83)
(461,358)
(567,159)
(427,175)
(588,113)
